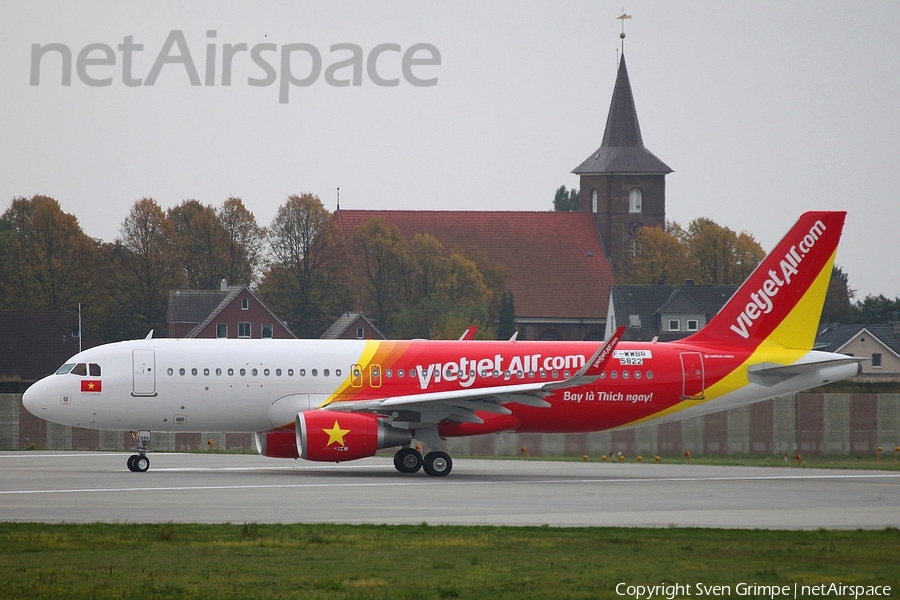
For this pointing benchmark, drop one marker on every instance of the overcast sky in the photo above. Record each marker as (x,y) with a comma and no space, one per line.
(763,109)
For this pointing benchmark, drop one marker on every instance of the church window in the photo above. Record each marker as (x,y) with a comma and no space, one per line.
(635,201)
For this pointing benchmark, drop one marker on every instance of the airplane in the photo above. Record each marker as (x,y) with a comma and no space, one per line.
(341,400)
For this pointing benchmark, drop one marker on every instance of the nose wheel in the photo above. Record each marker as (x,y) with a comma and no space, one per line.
(139,463)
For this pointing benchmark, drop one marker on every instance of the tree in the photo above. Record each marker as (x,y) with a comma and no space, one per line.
(146,267)
(837,308)
(48,263)
(243,238)
(305,280)
(200,240)
(719,256)
(566,200)
(660,257)
(507,326)
(385,262)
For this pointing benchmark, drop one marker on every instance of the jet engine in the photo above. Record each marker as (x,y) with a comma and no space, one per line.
(277,443)
(336,436)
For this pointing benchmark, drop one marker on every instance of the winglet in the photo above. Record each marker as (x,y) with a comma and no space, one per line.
(469,334)
(781,302)
(593,367)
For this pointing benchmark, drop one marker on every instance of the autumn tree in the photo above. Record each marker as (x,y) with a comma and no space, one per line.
(719,256)
(200,242)
(243,241)
(660,257)
(146,266)
(305,281)
(385,264)
(46,261)
(705,252)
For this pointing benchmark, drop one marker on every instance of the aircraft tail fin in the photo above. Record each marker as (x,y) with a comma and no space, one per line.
(781,302)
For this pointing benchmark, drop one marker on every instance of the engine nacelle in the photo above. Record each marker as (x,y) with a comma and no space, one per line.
(278,443)
(328,436)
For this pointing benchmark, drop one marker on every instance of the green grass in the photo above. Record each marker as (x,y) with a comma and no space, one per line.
(344,561)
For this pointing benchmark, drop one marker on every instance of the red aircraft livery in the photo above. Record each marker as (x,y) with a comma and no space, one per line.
(339,400)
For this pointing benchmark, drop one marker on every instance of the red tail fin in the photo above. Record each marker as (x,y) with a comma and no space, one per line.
(781,301)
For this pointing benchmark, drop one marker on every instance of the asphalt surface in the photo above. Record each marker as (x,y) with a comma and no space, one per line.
(201,488)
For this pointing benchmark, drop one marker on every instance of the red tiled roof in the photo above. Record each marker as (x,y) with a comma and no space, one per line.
(554,261)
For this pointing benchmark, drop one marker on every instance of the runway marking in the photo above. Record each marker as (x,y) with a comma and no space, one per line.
(431,481)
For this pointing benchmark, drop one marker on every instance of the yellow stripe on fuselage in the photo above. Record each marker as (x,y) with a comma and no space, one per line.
(365,358)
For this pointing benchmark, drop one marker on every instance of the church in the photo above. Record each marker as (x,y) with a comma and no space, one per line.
(560,266)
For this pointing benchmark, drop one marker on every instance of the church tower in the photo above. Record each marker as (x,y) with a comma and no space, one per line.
(622,183)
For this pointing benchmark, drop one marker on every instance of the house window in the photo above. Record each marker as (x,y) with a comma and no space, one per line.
(267,330)
(876,359)
(674,325)
(244,330)
(634,321)
(635,201)
(693,324)
(245,304)
(550,336)
(221,330)
(360,333)
(594,203)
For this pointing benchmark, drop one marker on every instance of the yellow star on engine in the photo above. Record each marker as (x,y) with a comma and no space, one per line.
(336,434)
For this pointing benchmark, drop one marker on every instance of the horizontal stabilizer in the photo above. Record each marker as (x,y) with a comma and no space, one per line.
(770,374)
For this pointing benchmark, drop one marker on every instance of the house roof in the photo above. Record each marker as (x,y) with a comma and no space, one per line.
(650,301)
(193,306)
(343,323)
(202,306)
(554,261)
(834,337)
(622,150)
(35,344)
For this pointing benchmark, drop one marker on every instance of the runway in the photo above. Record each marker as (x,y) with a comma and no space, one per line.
(202,488)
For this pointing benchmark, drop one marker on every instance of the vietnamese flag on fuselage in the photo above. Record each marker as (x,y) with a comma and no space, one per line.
(91,385)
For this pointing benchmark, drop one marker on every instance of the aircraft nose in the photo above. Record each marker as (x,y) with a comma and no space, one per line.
(35,398)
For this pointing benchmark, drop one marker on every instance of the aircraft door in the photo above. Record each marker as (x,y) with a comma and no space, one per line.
(144,372)
(693,376)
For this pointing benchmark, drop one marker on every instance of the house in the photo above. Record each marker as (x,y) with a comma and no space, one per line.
(664,312)
(878,343)
(232,311)
(352,326)
(37,343)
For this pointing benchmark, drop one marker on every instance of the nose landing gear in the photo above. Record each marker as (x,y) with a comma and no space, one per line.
(139,463)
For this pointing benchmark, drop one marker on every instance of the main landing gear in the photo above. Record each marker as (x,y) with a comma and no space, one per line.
(436,464)
(139,463)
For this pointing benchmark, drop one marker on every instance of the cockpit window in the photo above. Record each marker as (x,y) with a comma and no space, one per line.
(63,370)
(95,370)
(80,369)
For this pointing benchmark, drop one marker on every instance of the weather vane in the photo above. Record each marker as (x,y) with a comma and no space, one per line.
(623,18)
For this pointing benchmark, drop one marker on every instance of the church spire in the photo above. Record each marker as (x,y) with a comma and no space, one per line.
(622,149)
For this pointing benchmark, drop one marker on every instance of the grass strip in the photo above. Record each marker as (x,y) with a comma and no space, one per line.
(388,561)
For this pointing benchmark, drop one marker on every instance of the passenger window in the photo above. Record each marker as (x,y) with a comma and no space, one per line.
(230,372)
(337,372)
(290,372)
(625,374)
(315,373)
(266,372)
(325,372)
(637,374)
(218,372)
(194,372)
(206,372)
(302,372)
(95,370)
(181,371)
(401,373)
(649,374)
(170,371)
(277,372)
(614,374)
(80,369)
(243,372)
(254,372)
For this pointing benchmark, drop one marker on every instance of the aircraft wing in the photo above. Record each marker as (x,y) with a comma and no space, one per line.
(461,405)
